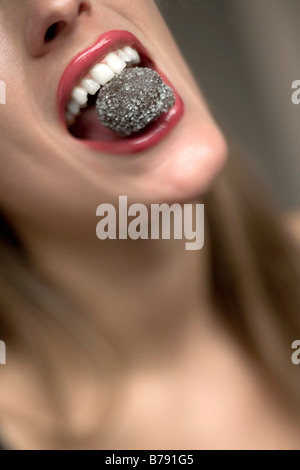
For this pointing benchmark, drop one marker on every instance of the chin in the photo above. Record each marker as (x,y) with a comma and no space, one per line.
(186,166)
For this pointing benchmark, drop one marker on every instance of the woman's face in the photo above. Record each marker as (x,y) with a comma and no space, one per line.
(52,179)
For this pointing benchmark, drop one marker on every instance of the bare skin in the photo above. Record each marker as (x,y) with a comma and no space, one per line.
(183,383)
(186,403)
(294,223)
(160,371)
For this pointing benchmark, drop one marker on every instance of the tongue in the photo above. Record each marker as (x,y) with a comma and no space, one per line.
(87,127)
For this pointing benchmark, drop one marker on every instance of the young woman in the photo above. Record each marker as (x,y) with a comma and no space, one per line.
(123,344)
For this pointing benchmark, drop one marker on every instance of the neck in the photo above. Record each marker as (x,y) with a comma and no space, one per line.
(146,295)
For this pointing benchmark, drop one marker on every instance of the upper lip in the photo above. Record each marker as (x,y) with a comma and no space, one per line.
(84,61)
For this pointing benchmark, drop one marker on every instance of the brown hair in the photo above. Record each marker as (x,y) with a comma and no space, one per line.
(255,271)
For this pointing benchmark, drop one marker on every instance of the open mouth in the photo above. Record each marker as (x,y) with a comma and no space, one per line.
(87,74)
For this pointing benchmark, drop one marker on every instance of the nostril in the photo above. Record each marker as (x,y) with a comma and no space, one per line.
(53,31)
(56,28)
(83,8)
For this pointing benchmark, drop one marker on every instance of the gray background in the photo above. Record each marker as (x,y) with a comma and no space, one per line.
(246,54)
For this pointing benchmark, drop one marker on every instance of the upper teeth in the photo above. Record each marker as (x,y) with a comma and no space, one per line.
(99,75)
(102,73)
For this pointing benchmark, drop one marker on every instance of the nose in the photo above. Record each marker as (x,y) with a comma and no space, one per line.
(50,21)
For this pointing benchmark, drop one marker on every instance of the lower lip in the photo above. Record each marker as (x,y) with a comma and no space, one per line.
(155,133)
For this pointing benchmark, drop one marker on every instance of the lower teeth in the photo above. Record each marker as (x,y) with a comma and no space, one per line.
(133,100)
